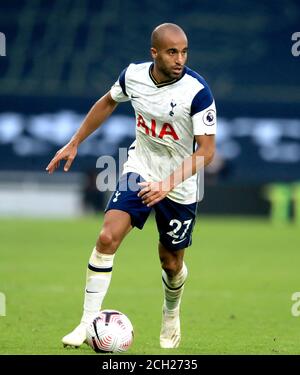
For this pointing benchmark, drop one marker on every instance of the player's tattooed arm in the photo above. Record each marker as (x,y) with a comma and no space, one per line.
(96,116)
(153,192)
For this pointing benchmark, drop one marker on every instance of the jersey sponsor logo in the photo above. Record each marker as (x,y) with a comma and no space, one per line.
(209,117)
(166,129)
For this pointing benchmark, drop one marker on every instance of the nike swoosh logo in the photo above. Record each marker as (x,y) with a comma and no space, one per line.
(89,291)
(134,97)
(175,242)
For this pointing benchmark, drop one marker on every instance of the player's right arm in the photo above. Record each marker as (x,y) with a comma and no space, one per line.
(95,117)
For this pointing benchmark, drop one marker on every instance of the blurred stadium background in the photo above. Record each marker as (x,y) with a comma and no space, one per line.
(61,56)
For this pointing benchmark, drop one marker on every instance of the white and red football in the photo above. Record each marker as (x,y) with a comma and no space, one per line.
(110,331)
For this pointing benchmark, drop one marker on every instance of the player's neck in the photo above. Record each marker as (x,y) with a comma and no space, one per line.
(159,76)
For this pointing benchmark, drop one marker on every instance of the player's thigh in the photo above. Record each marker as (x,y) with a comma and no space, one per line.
(116,225)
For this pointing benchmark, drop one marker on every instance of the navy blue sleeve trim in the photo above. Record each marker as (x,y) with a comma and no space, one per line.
(122,81)
(201,101)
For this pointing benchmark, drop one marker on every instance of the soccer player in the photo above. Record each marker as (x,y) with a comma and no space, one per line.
(174,110)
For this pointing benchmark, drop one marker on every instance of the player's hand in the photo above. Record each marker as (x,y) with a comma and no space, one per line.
(68,152)
(152,192)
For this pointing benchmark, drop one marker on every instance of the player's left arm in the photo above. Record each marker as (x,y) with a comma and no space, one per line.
(153,192)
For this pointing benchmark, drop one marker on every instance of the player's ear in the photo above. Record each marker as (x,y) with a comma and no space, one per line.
(153,52)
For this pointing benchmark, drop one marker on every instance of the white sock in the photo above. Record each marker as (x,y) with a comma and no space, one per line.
(98,278)
(173,288)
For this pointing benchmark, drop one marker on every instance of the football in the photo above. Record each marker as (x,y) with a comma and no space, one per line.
(111,331)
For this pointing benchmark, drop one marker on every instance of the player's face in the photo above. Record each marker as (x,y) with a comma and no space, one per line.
(170,57)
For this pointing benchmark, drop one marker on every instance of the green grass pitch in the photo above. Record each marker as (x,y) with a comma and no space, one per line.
(237,300)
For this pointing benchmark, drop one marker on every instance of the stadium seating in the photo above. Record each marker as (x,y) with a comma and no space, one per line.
(233,44)
(62,55)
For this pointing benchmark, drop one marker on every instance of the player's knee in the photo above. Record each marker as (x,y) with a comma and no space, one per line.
(171,266)
(106,241)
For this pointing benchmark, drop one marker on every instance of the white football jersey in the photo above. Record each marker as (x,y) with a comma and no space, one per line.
(168,116)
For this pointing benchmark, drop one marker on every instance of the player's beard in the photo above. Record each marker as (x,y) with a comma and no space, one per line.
(167,72)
